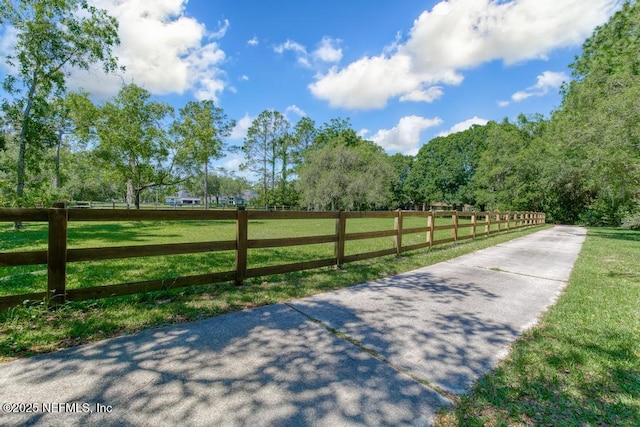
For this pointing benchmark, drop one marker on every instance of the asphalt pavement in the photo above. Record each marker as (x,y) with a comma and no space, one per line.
(388,352)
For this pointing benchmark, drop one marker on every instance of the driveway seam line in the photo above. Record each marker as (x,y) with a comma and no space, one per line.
(446,396)
(499,270)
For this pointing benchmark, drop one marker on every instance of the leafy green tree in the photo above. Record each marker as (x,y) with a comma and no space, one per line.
(443,169)
(201,129)
(401,165)
(289,149)
(53,36)
(231,185)
(134,141)
(340,176)
(595,134)
(41,192)
(336,129)
(71,116)
(507,176)
(263,148)
(85,177)
(305,133)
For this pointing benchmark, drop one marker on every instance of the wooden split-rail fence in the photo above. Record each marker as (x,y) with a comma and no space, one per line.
(57,255)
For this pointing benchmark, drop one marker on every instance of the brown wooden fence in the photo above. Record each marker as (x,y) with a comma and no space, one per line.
(57,256)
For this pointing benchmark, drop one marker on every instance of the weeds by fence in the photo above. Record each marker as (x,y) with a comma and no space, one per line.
(58,255)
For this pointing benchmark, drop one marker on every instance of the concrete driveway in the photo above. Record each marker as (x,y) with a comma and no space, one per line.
(388,352)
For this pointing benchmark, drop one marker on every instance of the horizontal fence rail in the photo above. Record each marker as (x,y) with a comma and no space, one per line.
(57,255)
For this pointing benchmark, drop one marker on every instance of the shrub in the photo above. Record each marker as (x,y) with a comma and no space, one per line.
(631,221)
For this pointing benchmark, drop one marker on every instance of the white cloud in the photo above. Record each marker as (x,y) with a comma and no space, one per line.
(393,46)
(459,127)
(240,130)
(521,96)
(254,41)
(222,30)
(405,136)
(547,81)
(290,45)
(423,95)
(232,162)
(244,78)
(295,110)
(163,50)
(328,52)
(299,50)
(456,35)
(503,103)
(367,83)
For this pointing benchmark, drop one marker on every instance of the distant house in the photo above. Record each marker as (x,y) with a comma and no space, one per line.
(183,198)
(241,199)
(191,200)
(233,200)
(443,206)
(173,201)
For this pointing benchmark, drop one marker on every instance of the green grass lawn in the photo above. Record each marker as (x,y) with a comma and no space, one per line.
(580,366)
(28,279)
(32,329)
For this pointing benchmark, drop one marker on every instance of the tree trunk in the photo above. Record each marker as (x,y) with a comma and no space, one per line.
(23,148)
(273,173)
(206,187)
(21,169)
(137,197)
(56,178)
(265,178)
(130,193)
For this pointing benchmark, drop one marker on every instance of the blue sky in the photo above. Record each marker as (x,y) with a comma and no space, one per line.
(403,71)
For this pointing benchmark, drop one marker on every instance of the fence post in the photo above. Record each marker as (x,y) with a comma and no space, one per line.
(397,240)
(508,221)
(499,221)
(454,221)
(474,222)
(341,229)
(241,245)
(57,255)
(487,223)
(431,223)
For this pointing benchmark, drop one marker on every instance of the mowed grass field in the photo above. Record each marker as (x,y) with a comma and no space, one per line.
(27,279)
(32,329)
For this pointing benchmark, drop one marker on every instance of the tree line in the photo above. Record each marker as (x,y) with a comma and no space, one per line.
(580,164)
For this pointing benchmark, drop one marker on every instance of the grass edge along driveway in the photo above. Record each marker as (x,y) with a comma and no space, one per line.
(581,364)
